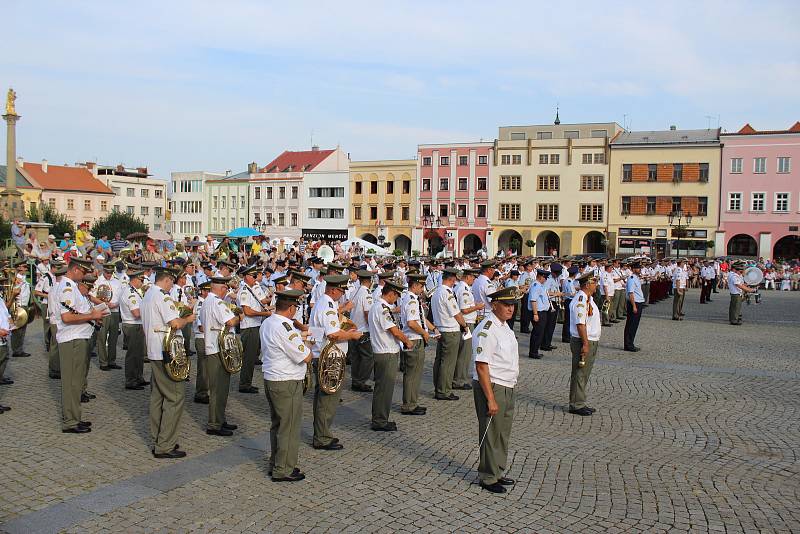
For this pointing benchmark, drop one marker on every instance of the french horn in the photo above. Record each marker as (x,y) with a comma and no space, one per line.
(332,362)
(231,350)
(176,362)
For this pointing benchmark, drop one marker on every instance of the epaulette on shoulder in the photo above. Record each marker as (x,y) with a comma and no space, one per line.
(487,325)
(287,326)
(330,304)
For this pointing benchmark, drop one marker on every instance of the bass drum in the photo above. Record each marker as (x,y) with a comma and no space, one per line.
(326,253)
(753,276)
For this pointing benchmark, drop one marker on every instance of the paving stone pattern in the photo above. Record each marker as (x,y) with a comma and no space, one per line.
(697,432)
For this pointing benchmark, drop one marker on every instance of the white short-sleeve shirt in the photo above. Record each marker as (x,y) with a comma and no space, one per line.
(70,297)
(158,309)
(380,321)
(213,316)
(248,297)
(282,350)
(583,310)
(444,307)
(494,343)
(129,301)
(325,315)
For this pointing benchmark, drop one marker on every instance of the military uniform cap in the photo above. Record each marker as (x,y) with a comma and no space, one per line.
(281,280)
(148,264)
(220,280)
(249,269)
(556,267)
(84,264)
(573,270)
(739,265)
(507,294)
(205,285)
(451,271)
(89,280)
(335,267)
(280,262)
(414,263)
(414,277)
(385,275)
(586,278)
(513,272)
(225,263)
(109,267)
(542,272)
(635,264)
(300,276)
(292,296)
(136,274)
(60,270)
(488,263)
(473,272)
(391,284)
(336,280)
(363,273)
(315,260)
(205,264)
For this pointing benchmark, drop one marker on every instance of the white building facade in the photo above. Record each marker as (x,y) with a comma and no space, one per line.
(188,205)
(228,203)
(135,193)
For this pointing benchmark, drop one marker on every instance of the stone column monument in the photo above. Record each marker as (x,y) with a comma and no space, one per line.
(10,197)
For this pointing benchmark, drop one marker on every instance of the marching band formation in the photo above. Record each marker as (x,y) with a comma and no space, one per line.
(303,320)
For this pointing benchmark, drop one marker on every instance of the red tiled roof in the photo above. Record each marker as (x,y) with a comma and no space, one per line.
(60,178)
(749,130)
(298,161)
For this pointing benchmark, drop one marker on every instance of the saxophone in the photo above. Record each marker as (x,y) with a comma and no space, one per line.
(230,346)
(332,361)
(176,361)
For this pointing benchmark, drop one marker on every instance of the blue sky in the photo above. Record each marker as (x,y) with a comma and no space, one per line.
(195,84)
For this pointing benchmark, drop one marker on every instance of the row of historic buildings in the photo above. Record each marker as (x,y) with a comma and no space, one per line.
(541,189)
(85,192)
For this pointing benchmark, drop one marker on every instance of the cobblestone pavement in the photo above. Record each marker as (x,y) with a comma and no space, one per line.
(698,432)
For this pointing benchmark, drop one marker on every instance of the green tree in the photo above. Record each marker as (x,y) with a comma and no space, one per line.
(61,223)
(117,221)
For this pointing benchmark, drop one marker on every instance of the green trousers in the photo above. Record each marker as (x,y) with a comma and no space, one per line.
(201,380)
(677,303)
(74,360)
(285,399)
(494,450)
(186,332)
(413,363)
(3,359)
(580,375)
(18,340)
(166,407)
(462,375)
(46,331)
(362,361)
(324,411)
(219,384)
(619,304)
(444,365)
(134,357)
(734,310)
(107,340)
(385,372)
(251,342)
(53,363)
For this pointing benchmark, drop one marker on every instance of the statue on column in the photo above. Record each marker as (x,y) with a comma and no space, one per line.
(10,98)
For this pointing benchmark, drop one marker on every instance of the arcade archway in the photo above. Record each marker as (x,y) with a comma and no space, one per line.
(471,245)
(403,243)
(742,245)
(510,239)
(593,243)
(547,244)
(787,247)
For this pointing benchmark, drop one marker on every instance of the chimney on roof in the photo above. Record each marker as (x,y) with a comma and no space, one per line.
(252,167)
(20,162)
(44,165)
(120,168)
(141,170)
(673,128)
(315,148)
(228,172)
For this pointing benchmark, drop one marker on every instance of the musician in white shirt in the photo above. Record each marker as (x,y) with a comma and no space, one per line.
(462,378)
(450,321)
(109,332)
(131,316)
(417,329)
(254,310)
(360,350)
(679,283)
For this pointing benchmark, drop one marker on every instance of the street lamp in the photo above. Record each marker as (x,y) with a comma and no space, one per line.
(679,222)
(431,222)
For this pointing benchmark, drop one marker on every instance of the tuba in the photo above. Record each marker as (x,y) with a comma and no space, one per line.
(332,361)
(104,293)
(176,361)
(230,346)
(19,315)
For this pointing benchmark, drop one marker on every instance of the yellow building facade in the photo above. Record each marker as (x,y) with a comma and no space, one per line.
(549,186)
(658,173)
(382,201)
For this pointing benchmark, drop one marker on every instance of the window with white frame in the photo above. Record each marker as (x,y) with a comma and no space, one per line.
(426,161)
(759,165)
(757,201)
(463,184)
(736,165)
(483,160)
(784,165)
(782,202)
(444,160)
(734,202)
(463,160)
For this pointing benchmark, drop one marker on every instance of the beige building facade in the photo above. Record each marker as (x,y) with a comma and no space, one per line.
(383,201)
(549,185)
(657,173)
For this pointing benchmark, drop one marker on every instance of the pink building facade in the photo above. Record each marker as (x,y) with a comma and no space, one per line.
(760,193)
(453,193)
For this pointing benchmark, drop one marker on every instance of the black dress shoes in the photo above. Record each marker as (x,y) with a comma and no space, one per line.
(174,453)
(21,355)
(6,381)
(494,488)
(220,432)
(632,349)
(419,410)
(332,446)
(226,426)
(535,356)
(583,412)
(464,387)
(391,426)
(201,400)
(294,477)
(85,424)
(505,481)
(105,368)
(364,389)
(250,389)
(138,387)
(90,395)
(144,383)
(85,398)
(77,430)
(551,347)
(114,366)
(54,376)
(4,409)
